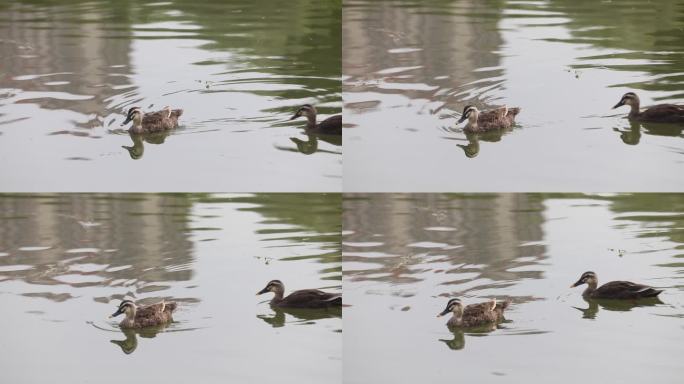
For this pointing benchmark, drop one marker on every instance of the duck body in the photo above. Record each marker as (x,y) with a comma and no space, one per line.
(619,290)
(330,126)
(496,119)
(661,113)
(474,315)
(305,298)
(146,316)
(160,121)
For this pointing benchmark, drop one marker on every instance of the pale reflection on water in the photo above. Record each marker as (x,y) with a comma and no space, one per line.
(67,260)
(411,67)
(238,69)
(405,255)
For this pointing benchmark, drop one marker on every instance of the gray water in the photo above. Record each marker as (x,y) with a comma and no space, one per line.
(66,261)
(410,67)
(70,70)
(404,256)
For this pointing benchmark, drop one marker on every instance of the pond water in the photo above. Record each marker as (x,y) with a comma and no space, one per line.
(69,70)
(404,256)
(410,67)
(66,261)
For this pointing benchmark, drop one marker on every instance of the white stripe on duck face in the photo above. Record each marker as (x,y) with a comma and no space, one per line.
(452,303)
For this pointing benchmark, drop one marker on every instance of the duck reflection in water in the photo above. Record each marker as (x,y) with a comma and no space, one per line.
(614,305)
(632,136)
(458,341)
(300,315)
(472,149)
(310,145)
(137,150)
(130,343)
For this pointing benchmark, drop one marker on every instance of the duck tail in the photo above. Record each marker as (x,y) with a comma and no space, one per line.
(337,300)
(652,292)
(503,305)
(177,113)
(513,111)
(170,306)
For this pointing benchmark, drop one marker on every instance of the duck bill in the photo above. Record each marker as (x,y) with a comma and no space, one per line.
(262,291)
(620,104)
(296,115)
(444,312)
(117,313)
(128,119)
(462,119)
(579,282)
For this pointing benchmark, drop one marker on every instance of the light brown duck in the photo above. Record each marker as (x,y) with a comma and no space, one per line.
(474,315)
(500,118)
(159,121)
(147,316)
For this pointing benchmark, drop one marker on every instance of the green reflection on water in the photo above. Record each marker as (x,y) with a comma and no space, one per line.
(405,255)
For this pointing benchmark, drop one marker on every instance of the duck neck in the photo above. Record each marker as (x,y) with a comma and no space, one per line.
(472,119)
(456,318)
(136,127)
(137,124)
(279,293)
(634,111)
(129,321)
(311,119)
(591,287)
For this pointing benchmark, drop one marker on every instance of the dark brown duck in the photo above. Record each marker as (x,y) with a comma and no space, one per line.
(305,298)
(661,113)
(330,126)
(615,289)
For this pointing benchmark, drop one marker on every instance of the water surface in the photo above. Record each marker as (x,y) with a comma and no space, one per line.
(404,256)
(66,261)
(239,69)
(410,67)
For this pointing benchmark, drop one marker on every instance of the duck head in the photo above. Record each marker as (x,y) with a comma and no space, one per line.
(135,114)
(454,306)
(470,113)
(629,98)
(307,110)
(275,286)
(588,278)
(128,307)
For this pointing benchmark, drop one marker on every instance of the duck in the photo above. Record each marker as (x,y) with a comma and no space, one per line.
(496,119)
(162,120)
(330,126)
(661,113)
(474,315)
(305,298)
(622,290)
(146,316)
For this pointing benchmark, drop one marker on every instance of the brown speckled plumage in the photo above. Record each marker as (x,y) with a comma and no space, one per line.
(474,315)
(305,298)
(661,113)
(496,119)
(620,290)
(147,316)
(159,121)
